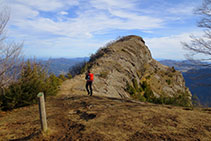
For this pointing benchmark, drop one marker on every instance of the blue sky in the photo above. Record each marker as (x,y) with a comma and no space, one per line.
(77,28)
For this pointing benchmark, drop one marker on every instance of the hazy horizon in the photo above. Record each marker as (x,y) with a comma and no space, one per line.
(87,57)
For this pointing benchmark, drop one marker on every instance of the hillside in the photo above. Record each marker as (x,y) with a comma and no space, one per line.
(79,117)
(203,92)
(128,61)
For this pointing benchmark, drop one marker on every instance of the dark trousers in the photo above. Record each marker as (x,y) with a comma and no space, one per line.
(89,87)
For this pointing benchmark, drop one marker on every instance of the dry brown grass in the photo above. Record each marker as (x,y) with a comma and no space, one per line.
(100,118)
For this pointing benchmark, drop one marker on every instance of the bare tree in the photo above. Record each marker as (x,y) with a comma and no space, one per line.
(10,54)
(200,54)
(200,47)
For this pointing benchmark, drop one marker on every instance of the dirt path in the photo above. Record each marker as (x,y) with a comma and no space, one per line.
(81,117)
(76,87)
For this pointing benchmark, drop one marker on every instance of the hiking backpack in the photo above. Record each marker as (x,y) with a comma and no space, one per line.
(91,76)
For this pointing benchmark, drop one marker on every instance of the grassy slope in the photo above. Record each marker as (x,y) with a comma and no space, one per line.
(100,118)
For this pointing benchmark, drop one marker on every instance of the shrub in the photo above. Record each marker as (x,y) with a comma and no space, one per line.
(130,89)
(183,100)
(33,79)
(52,86)
(144,85)
(62,77)
(12,97)
(173,69)
(195,100)
(69,76)
(100,52)
(84,68)
(148,94)
(168,81)
(179,100)
(143,92)
(104,74)
(135,84)
(141,98)
(78,68)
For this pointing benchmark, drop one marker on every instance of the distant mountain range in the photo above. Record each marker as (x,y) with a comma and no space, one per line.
(197,79)
(182,66)
(61,65)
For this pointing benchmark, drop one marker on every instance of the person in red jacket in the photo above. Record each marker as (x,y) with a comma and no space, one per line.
(89,79)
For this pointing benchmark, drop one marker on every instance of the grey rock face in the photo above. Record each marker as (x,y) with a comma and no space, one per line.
(127,59)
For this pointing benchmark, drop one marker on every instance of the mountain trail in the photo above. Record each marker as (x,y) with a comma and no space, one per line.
(110,114)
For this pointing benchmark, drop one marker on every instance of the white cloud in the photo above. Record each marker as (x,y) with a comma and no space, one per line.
(63,13)
(46,5)
(135,21)
(117,4)
(20,12)
(181,10)
(86,24)
(43,5)
(39,21)
(170,47)
(61,47)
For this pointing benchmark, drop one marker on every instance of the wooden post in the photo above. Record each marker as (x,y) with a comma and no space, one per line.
(42,111)
(2,91)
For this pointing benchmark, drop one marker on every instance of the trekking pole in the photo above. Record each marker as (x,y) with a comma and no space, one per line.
(42,111)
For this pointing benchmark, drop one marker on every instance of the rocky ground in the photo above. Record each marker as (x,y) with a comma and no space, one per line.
(81,117)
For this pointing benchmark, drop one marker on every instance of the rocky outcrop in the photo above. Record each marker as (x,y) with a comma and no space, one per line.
(125,60)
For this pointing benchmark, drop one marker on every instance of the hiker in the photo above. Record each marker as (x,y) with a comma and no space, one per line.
(89,79)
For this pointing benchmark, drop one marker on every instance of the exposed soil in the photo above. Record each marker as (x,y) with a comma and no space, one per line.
(95,118)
